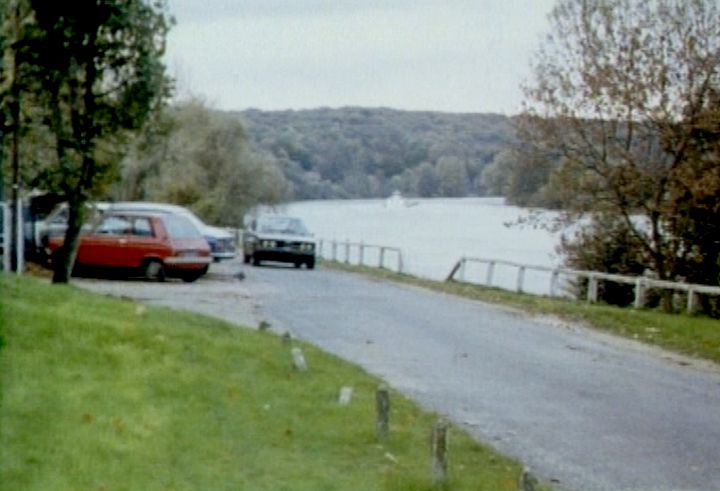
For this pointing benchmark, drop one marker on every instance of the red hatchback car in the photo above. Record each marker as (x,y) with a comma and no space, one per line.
(155,245)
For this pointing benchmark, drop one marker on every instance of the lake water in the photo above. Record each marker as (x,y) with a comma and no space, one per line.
(434,234)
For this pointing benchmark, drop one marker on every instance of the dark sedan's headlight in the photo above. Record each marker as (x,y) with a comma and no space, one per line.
(270,244)
(307,247)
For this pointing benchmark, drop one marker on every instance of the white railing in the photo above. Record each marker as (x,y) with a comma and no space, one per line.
(361,254)
(641,283)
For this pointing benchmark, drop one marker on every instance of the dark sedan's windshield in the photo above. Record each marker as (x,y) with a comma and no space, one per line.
(282,225)
(179,227)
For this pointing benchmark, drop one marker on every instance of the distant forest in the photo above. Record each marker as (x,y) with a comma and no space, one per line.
(368,153)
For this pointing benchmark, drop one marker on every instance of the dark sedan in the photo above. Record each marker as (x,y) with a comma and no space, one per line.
(280,239)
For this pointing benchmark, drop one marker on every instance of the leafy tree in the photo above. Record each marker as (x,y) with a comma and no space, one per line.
(201,159)
(98,74)
(453,177)
(360,152)
(532,177)
(626,93)
(15,85)
(495,176)
(427,180)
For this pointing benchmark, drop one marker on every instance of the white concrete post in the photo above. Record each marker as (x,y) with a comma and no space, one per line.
(19,238)
(639,293)
(299,362)
(592,292)
(691,300)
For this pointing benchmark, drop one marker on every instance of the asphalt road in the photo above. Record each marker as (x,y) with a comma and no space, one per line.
(588,411)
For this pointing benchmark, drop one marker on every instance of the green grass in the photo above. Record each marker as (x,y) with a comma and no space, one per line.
(102,394)
(692,335)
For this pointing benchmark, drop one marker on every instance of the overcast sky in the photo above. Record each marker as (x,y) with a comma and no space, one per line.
(440,55)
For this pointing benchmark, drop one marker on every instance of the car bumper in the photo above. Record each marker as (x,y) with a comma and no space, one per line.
(187,262)
(223,255)
(283,256)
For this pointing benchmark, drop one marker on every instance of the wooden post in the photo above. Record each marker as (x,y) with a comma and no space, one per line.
(439,449)
(382,257)
(527,481)
(361,254)
(490,273)
(520,278)
(400,261)
(334,250)
(455,269)
(298,360)
(347,252)
(382,400)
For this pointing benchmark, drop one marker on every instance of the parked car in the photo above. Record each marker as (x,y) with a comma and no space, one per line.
(222,242)
(55,223)
(278,238)
(155,245)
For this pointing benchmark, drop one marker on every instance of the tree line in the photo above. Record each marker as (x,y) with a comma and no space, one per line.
(358,152)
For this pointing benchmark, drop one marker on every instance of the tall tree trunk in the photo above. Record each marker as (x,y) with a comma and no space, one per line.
(64,257)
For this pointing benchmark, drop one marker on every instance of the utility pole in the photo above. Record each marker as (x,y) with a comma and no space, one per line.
(16,236)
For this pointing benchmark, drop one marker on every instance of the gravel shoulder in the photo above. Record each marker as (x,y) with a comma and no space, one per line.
(222,293)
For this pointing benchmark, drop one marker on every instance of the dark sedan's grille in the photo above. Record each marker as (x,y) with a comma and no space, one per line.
(288,245)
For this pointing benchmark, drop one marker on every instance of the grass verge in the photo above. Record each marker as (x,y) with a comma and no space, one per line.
(695,336)
(105,394)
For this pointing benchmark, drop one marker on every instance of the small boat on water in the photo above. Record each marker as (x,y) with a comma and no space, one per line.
(395,201)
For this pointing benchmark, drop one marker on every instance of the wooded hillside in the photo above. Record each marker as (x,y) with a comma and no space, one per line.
(360,152)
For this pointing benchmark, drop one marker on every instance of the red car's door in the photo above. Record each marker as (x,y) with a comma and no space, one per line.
(106,244)
(145,240)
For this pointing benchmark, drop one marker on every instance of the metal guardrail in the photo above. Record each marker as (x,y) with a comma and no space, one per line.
(360,253)
(642,284)
(364,254)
